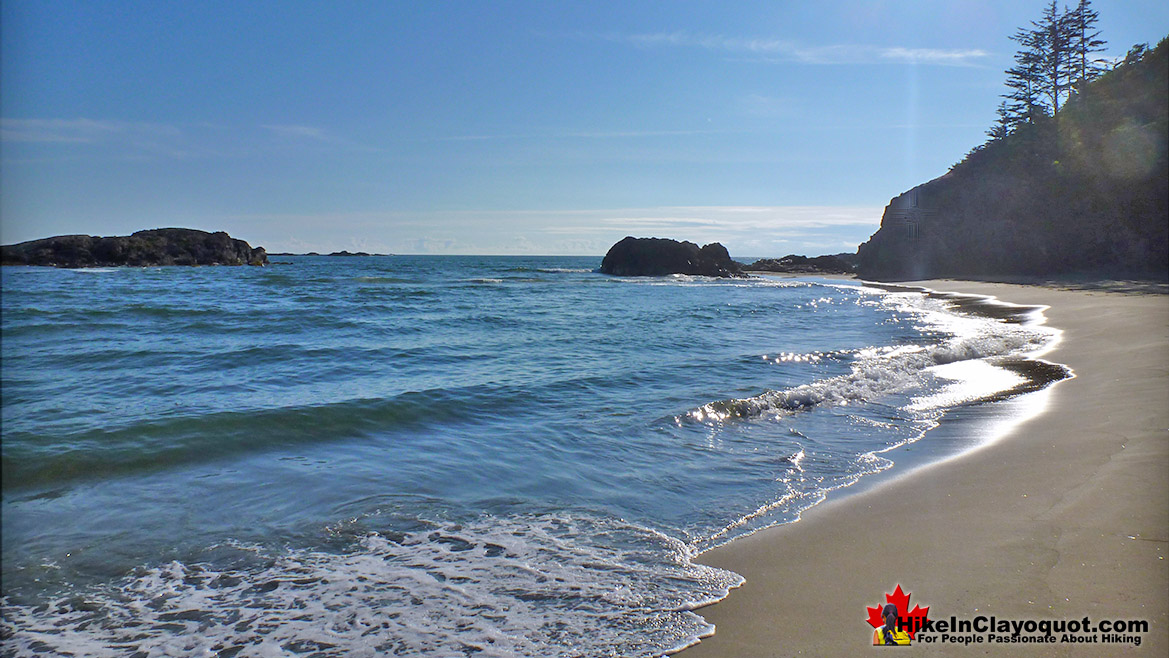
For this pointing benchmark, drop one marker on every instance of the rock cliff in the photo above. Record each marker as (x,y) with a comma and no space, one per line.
(1084,193)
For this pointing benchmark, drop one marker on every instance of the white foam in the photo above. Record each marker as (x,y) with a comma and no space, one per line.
(524,586)
(881,371)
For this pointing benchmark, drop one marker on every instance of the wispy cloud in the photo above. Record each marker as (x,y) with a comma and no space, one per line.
(303,134)
(619,134)
(579,134)
(933,55)
(298,132)
(736,218)
(481,138)
(55,139)
(765,106)
(776,50)
(710,42)
(77,131)
(63,139)
(739,217)
(746,230)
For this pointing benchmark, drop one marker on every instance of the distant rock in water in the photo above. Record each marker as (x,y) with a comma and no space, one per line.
(661,257)
(793,264)
(164,246)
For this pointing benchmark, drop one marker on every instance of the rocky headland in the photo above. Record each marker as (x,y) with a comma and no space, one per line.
(661,257)
(152,248)
(1084,193)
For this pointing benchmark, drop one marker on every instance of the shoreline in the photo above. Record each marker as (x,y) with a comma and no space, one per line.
(1065,517)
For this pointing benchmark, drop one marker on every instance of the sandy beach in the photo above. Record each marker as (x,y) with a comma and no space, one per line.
(1064,517)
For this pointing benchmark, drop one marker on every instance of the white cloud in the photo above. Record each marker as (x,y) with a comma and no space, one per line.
(710,42)
(779,50)
(933,55)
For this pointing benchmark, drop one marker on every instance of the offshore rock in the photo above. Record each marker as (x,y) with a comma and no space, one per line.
(662,257)
(157,247)
(793,264)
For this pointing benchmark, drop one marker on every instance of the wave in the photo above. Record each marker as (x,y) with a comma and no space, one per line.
(549,270)
(34,460)
(983,306)
(384,279)
(1002,338)
(542,586)
(107,360)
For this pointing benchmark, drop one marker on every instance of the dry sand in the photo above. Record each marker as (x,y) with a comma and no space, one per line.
(1066,517)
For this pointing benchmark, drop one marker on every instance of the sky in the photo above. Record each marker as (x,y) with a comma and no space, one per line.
(499,127)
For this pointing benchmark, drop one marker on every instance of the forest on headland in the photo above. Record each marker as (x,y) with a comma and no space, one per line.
(1073,180)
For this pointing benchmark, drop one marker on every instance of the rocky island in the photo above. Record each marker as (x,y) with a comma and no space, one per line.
(152,248)
(661,257)
(793,264)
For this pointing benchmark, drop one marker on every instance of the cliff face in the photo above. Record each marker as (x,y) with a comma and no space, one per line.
(167,246)
(1087,193)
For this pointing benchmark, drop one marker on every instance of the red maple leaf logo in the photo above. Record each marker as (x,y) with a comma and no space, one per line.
(911,621)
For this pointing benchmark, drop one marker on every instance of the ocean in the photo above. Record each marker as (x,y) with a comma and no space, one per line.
(448,456)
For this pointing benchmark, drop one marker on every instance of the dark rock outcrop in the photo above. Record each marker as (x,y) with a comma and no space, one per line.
(1083,194)
(661,257)
(166,246)
(793,264)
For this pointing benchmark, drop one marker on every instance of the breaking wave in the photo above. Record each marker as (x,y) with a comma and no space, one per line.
(540,586)
(998,339)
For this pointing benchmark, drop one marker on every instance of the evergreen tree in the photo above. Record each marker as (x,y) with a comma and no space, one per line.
(1024,79)
(1056,64)
(1054,60)
(1005,124)
(1135,54)
(1085,41)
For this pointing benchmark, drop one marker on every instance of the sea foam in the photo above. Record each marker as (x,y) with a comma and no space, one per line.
(880,371)
(540,586)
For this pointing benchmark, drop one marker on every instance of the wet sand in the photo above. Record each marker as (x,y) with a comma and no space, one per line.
(1064,517)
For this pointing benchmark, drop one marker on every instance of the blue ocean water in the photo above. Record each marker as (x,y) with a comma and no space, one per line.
(489,456)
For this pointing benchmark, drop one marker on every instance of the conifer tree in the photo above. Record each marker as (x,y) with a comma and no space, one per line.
(1135,54)
(1055,58)
(1005,124)
(1053,41)
(1024,79)
(1085,41)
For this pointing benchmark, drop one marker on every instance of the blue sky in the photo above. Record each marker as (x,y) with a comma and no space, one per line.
(498,127)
